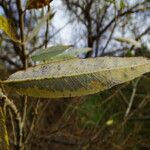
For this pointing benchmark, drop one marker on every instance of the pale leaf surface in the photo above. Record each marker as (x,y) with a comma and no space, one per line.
(77,77)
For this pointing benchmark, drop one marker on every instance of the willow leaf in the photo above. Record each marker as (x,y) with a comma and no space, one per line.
(77,77)
(7,27)
(58,53)
(70,54)
(46,54)
(129,41)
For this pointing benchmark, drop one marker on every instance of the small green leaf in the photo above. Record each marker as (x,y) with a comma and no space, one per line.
(122,4)
(58,53)
(70,54)
(48,53)
(7,27)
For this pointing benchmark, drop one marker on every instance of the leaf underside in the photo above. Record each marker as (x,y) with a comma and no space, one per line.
(46,54)
(70,54)
(77,77)
(58,53)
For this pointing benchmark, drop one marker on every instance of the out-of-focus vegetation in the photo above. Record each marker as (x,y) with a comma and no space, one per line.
(115,119)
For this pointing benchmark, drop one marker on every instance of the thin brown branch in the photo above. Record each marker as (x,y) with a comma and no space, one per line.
(13,126)
(109,39)
(147,30)
(33,123)
(129,11)
(21,25)
(47,28)
(112,32)
(25,65)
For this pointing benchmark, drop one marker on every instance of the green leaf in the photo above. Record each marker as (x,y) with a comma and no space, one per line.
(42,21)
(129,41)
(36,4)
(122,4)
(70,54)
(77,77)
(4,144)
(58,53)
(48,53)
(7,27)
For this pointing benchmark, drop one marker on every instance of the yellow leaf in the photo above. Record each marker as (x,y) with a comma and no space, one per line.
(77,77)
(4,144)
(110,122)
(7,27)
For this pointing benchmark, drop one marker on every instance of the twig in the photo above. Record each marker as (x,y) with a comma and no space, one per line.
(25,99)
(32,124)
(21,25)
(15,111)
(128,11)
(13,126)
(109,39)
(25,65)
(132,97)
(123,97)
(43,110)
(47,28)
(112,32)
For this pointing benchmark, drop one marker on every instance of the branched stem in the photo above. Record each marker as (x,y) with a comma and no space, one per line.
(16,113)
(13,126)
(25,65)
(33,123)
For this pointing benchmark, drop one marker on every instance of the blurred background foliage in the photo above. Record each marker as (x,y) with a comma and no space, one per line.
(101,121)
